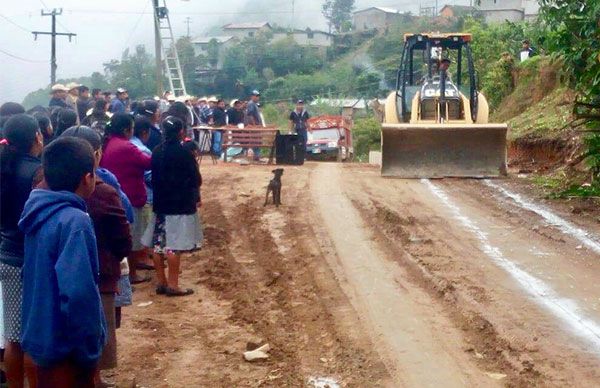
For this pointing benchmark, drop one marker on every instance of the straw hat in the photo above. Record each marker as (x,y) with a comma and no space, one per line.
(59,88)
(212,99)
(72,85)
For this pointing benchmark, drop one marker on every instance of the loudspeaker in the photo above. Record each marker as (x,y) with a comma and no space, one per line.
(289,149)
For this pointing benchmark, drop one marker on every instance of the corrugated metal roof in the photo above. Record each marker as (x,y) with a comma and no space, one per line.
(207,39)
(236,26)
(382,9)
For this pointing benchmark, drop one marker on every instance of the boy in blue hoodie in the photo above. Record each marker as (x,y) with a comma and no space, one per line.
(63,327)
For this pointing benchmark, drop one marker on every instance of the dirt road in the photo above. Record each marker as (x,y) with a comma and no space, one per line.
(361,281)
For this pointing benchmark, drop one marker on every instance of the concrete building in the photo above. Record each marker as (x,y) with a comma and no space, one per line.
(245,30)
(308,37)
(375,18)
(454,11)
(498,11)
(202,45)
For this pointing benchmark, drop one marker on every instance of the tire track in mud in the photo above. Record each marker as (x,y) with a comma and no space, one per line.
(273,292)
(419,343)
(404,234)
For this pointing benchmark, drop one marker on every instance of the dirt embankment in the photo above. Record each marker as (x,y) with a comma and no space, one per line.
(539,114)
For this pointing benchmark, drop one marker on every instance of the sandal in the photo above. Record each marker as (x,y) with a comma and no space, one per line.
(140,279)
(173,292)
(161,289)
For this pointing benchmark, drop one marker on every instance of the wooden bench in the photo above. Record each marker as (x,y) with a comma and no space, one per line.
(248,137)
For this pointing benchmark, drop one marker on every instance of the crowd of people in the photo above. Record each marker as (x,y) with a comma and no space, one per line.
(97,193)
(74,104)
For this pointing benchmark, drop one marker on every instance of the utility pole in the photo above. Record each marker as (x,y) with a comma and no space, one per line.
(157,50)
(188,21)
(55,12)
(292,22)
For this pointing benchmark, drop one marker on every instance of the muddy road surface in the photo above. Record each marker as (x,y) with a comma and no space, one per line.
(360,281)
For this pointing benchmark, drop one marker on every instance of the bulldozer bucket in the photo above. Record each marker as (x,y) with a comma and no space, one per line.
(443,150)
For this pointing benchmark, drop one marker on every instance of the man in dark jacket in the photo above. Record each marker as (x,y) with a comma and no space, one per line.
(119,103)
(298,119)
(526,51)
(235,114)
(83,102)
(150,110)
(220,120)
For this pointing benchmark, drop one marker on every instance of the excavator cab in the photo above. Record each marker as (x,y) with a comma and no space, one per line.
(436,121)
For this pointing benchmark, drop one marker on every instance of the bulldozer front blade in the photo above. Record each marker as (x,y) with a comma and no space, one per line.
(443,150)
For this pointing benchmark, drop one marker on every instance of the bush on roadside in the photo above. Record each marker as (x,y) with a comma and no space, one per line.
(366,133)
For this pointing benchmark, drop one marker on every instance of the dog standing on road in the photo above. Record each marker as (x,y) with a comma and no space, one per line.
(275,187)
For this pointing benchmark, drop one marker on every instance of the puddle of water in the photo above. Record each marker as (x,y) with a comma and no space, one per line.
(323,382)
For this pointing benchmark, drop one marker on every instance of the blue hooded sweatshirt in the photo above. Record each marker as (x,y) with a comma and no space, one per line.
(62,313)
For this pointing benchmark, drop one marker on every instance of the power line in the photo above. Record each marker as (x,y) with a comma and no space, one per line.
(21,58)
(135,26)
(110,12)
(58,21)
(54,13)
(14,24)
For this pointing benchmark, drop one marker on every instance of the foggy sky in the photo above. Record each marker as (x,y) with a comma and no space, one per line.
(105,28)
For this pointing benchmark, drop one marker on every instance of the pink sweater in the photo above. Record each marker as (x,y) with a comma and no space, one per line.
(128,163)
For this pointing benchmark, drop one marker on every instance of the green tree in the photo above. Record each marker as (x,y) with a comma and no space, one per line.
(367,84)
(573,34)
(189,62)
(42,96)
(338,13)
(134,71)
(367,137)
(212,52)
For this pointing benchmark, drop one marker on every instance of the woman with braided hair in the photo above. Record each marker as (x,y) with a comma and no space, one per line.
(20,170)
(175,226)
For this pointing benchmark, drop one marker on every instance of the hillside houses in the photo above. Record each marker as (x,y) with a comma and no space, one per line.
(498,11)
(219,45)
(214,47)
(246,30)
(375,18)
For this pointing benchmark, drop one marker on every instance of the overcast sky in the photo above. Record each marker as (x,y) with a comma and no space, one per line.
(105,28)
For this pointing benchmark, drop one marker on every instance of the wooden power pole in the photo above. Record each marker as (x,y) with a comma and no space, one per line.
(157,50)
(54,13)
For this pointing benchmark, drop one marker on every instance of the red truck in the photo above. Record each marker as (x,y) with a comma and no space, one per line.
(329,138)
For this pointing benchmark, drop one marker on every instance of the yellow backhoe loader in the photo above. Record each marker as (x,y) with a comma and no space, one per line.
(436,121)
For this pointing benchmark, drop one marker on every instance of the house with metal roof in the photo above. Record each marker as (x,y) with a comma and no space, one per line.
(245,30)
(375,18)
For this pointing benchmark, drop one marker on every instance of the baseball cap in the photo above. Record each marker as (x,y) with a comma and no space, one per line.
(255,93)
(300,101)
(121,90)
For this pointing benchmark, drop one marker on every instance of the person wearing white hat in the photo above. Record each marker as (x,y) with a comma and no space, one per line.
(203,110)
(235,113)
(73,95)
(59,95)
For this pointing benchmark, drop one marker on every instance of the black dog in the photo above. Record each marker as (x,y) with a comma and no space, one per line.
(275,187)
